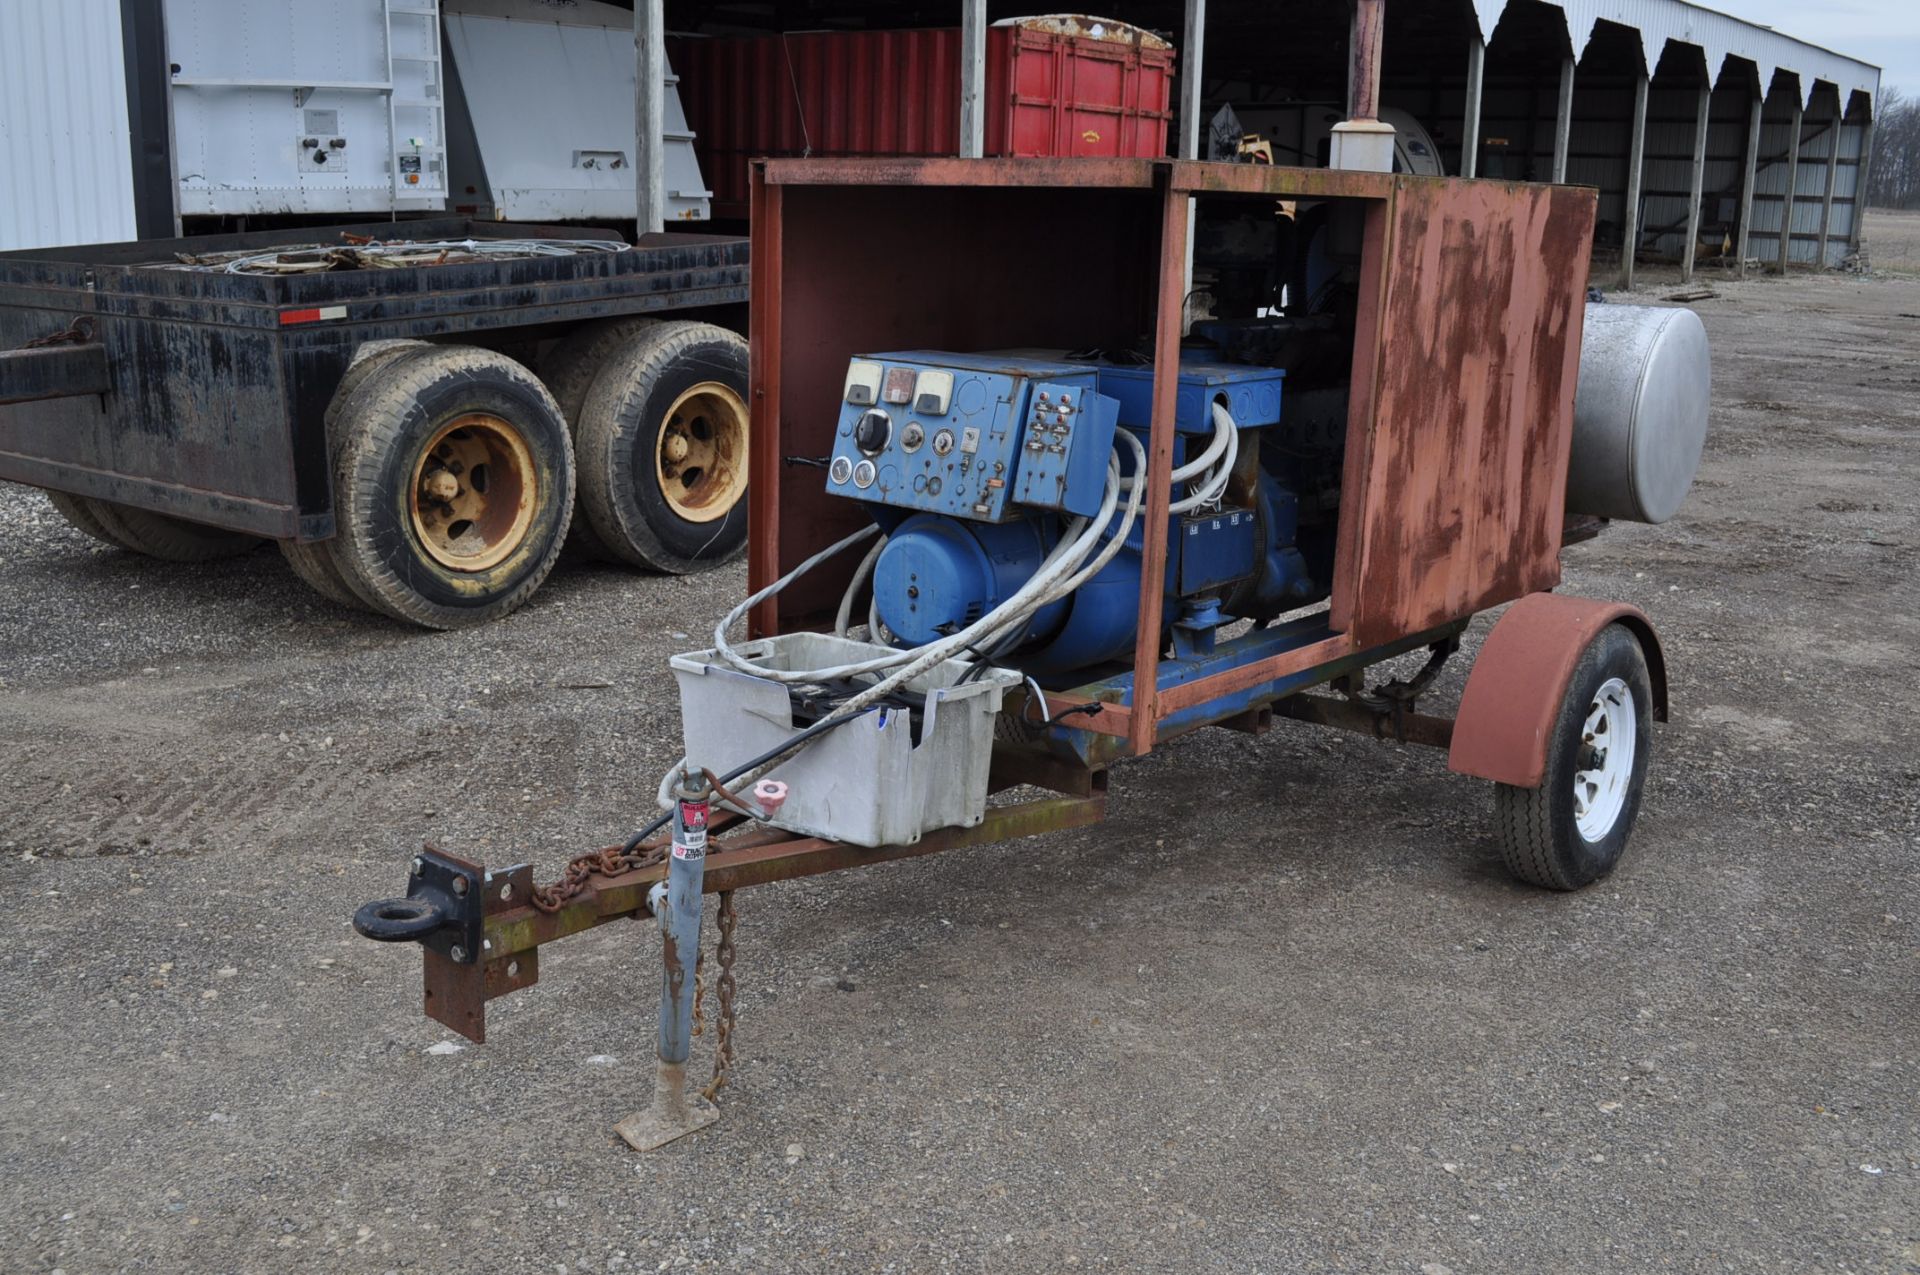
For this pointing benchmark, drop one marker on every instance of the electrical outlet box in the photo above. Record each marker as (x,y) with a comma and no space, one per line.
(971,435)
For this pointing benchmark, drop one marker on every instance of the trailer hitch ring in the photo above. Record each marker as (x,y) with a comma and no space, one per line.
(398,920)
(444,909)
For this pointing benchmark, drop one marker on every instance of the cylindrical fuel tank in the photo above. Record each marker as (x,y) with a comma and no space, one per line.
(1640,418)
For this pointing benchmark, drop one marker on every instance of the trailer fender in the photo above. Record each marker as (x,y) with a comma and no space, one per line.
(1513,693)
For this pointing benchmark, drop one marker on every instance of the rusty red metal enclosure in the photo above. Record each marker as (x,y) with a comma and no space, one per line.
(1050,93)
(1465,352)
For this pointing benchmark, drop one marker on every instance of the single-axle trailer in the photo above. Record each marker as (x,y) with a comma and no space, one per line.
(412,410)
(1092,525)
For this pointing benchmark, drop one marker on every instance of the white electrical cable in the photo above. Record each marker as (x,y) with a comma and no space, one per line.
(1040,590)
(843,619)
(1062,571)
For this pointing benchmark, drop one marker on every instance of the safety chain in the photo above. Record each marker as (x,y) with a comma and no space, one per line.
(611,862)
(79,332)
(582,869)
(724,986)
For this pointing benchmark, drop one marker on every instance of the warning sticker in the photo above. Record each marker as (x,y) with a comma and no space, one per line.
(690,834)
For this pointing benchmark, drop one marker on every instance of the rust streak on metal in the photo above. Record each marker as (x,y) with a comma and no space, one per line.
(1160,439)
(1455,478)
(456,995)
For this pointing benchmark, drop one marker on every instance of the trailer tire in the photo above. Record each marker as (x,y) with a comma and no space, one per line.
(171,539)
(313,560)
(663,446)
(1571,830)
(569,372)
(82,514)
(453,486)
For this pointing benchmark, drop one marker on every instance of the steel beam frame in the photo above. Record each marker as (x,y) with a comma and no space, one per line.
(1793,184)
(1476,91)
(1636,178)
(1748,178)
(649,115)
(1703,116)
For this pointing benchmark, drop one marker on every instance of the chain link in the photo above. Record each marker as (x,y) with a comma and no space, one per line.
(581,870)
(579,874)
(724,987)
(79,332)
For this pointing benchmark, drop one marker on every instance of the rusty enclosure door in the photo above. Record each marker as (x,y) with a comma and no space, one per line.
(1471,310)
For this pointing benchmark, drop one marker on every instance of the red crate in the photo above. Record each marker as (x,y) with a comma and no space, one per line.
(1053,89)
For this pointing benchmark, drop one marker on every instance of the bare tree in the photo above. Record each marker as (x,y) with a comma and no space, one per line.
(1895,179)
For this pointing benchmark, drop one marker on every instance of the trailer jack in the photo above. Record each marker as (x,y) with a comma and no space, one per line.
(481,931)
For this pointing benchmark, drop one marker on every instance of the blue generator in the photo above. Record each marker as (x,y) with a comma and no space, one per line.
(995,473)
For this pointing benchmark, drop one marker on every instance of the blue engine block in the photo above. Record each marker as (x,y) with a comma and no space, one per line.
(976,462)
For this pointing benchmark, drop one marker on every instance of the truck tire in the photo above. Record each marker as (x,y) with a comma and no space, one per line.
(663,446)
(168,538)
(80,511)
(1571,830)
(569,372)
(453,487)
(313,560)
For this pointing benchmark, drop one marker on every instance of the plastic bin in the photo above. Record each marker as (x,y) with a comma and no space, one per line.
(866,783)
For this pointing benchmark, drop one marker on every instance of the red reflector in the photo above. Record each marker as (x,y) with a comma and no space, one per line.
(312,316)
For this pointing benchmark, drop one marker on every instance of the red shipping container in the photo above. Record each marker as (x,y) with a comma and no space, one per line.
(1053,89)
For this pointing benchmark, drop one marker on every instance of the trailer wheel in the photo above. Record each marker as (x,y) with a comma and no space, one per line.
(453,487)
(80,511)
(170,539)
(663,441)
(569,372)
(1571,830)
(313,560)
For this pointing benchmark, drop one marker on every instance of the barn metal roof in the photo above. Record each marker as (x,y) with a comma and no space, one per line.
(1718,36)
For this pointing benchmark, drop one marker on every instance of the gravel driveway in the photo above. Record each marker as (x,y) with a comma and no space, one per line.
(1281,1013)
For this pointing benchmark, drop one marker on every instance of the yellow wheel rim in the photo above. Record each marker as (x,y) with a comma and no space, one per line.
(701,458)
(473,494)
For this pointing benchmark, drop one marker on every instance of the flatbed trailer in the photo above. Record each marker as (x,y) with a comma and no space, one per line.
(191,411)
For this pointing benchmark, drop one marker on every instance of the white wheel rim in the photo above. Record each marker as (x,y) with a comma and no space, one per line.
(1603,770)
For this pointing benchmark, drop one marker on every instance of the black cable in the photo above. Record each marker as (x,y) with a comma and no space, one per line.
(820,727)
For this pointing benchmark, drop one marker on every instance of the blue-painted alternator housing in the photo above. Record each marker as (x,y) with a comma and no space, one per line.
(971,542)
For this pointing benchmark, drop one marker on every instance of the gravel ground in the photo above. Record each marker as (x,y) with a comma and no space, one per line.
(1281,1013)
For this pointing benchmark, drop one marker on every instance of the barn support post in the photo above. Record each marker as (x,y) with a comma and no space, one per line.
(1563,122)
(1476,90)
(1860,186)
(1703,113)
(1833,174)
(973,78)
(1193,62)
(649,116)
(1636,175)
(1361,143)
(1748,177)
(1793,182)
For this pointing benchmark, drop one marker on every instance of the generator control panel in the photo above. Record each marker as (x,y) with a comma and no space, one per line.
(986,438)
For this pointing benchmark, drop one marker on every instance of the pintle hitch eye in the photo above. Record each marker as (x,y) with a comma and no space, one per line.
(444,909)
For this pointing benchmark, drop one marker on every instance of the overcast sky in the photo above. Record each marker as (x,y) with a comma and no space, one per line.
(1883,32)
